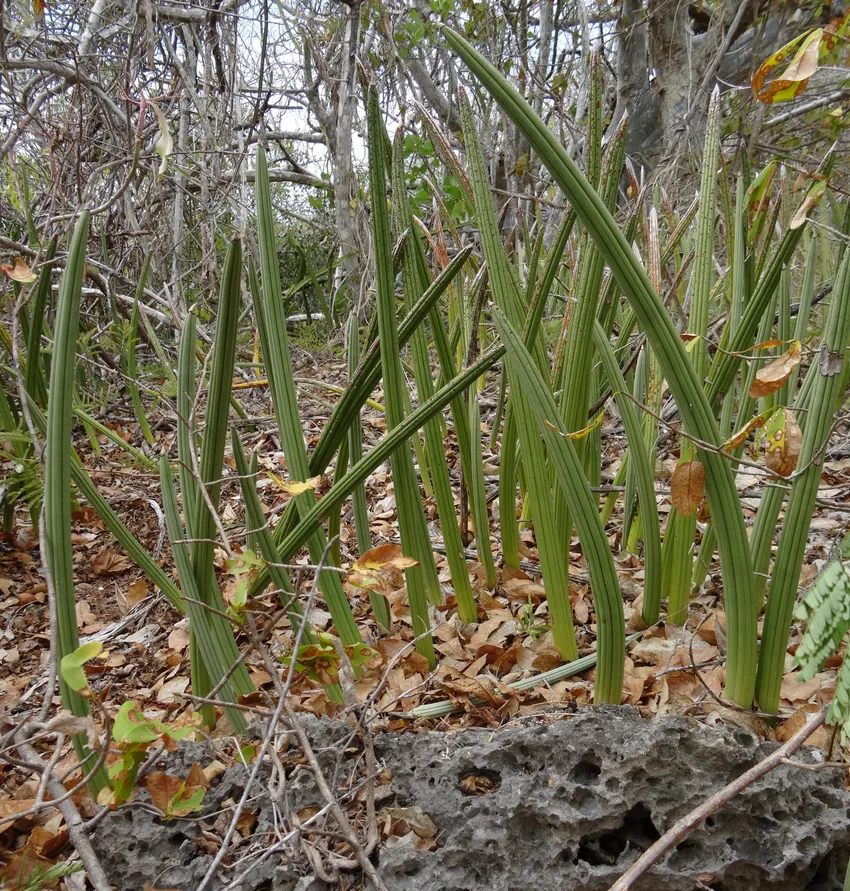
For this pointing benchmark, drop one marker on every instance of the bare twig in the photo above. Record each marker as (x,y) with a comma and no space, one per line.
(76,827)
(691,821)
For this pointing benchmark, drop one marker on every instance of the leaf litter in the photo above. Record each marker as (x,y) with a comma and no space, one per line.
(669,670)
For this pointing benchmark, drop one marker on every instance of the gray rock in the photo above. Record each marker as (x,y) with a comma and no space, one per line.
(569,805)
(575,802)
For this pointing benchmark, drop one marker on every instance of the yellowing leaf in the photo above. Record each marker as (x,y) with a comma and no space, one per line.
(794,80)
(295,487)
(782,442)
(374,569)
(687,486)
(740,435)
(176,797)
(384,556)
(580,434)
(20,272)
(165,144)
(770,378)
(765,345)
(810,202)
(835,29)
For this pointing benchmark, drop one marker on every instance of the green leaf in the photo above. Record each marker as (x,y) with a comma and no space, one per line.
(607,598)
(826,611)
(131,727)
(687,388)
(244,562)
(71,666)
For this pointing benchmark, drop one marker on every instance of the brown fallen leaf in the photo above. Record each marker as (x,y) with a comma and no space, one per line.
(136,593)
(171,794)
(109,562)
(85,616)
(178,639)
(45,843)
(687,486)
(9,808)
(795,690)
(478,784)
(524,589)
(787,729)
(415,818)
(379,569)
(246,823)
(170,690)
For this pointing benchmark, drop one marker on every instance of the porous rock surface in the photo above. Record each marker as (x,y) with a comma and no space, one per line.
(563,805)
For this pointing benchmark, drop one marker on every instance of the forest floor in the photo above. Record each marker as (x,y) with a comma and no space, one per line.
(669,669)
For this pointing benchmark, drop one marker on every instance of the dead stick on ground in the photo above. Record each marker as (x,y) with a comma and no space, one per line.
(691,821)
(76,829)
(344,824)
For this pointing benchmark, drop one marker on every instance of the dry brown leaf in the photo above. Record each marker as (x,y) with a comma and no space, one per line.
(109,562)
(687,486)
(213,770)
(9,808)
(379,569)
(788,728)
(708,631)
(260,677)
(245,824)
(461,690)
(414,818)
(163,790)
(136,593)
(85,616)
(772,376)
(46,843)
(795,690)
(483,632)
(524,589)
(178,639)
(581,610)
(501,660)
(20,272)
(170,690)
(547,659)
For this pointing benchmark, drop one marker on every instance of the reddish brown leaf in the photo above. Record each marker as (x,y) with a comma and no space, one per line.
(687,486)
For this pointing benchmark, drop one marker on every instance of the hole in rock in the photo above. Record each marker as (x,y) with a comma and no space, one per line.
(700,20)
(587,770)
(479,781)
(636,831)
